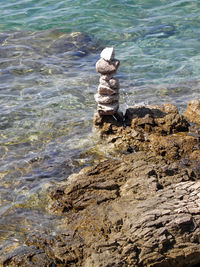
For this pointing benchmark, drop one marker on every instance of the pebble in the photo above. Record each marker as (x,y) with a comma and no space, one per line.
(112,83)
(108,109)
(107,67)
(106,99)
(107,96)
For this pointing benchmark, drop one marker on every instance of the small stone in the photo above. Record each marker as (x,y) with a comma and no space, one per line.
(108,109)
(112,83)
(192,112)
(104,90)
(106,99)
(108,53)
(105,67)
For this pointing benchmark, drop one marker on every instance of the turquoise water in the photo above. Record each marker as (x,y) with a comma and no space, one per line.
(48,51)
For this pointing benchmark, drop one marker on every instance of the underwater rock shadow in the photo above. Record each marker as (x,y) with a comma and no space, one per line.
(47,52)
(160,31)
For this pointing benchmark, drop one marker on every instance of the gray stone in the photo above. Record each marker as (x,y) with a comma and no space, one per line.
(108,109)
(112,82)
(105,67)
(106,99)
(104,90)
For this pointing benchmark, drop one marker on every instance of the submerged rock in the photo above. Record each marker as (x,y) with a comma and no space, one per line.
(26,52)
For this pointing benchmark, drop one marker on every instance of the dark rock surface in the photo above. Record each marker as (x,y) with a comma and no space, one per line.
(160,129)
(139,209)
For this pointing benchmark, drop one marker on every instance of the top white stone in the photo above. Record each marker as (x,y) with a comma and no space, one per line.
(108,53)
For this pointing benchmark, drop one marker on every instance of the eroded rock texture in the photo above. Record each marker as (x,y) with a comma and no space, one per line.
(139,209)
(135,211)
(160,129)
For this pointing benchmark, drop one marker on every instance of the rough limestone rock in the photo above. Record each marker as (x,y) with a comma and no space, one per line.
(135,211)
(192,113)
(141,208)
(160,129)
(162,119)
(26,256)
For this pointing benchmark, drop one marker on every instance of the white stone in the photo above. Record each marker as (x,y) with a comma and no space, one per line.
(108,53)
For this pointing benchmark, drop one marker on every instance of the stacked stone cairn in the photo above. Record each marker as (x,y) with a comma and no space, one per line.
(108,89)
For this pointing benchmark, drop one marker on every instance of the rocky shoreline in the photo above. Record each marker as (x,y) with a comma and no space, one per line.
(139,209)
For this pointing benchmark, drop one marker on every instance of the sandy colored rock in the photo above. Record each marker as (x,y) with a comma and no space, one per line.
(163,119)
(192,112)
(138,210)
(160,129)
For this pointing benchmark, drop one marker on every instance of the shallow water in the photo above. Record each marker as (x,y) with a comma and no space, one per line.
(48,79)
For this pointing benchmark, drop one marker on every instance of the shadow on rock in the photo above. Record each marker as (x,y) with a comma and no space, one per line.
(141,209)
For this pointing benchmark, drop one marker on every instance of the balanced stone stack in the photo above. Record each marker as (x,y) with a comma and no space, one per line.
(108,89)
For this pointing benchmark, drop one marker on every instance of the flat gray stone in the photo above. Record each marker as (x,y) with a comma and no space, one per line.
(112,82)
(106,99)
(104,90)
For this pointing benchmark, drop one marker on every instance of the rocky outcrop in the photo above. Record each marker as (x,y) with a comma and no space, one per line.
(160,129)
(192,113)
(141,208)
(135,211)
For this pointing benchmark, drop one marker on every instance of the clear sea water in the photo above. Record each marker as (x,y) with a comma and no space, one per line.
(48,51)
